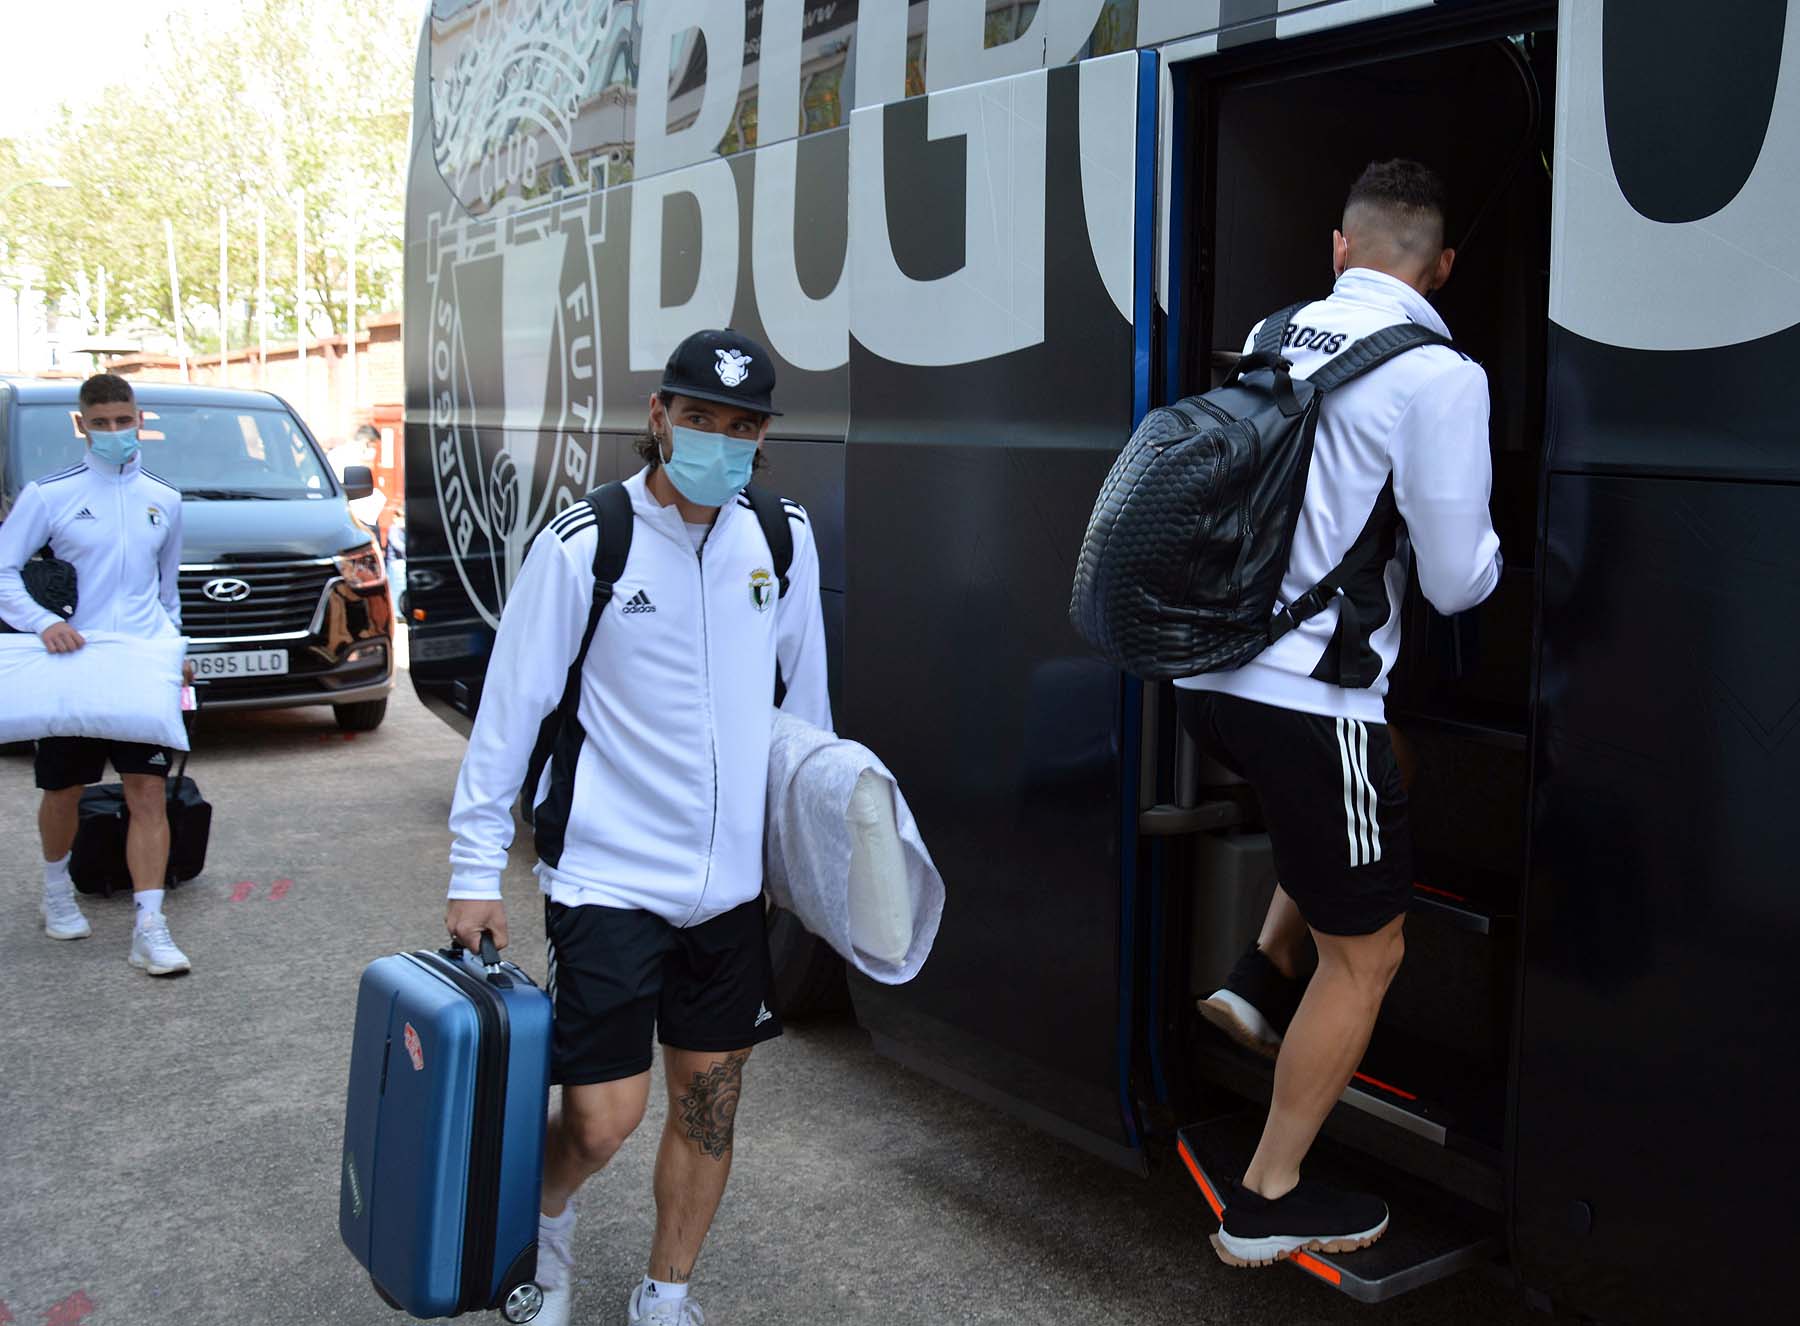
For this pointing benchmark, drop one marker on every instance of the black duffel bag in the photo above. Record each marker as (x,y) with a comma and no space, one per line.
(51,584)
(1188,543)
(97,863)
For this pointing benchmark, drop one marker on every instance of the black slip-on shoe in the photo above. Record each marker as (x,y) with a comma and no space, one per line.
(1311,1218)
(1255,1004)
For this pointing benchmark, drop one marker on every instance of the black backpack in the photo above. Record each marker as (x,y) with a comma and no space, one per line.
(1185,552)
(560,734)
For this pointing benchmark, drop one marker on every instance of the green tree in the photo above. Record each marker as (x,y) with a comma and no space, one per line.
(285,99)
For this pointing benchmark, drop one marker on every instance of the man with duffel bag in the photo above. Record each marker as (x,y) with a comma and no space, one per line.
(1354,423)
(119,527)
(629,693)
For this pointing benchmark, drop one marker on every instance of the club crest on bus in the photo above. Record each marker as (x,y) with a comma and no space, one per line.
(509,295)
(494,59)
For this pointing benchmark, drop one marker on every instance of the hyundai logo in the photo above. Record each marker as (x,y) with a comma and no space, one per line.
(226,589)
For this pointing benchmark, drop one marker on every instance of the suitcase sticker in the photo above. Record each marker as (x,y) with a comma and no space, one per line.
(414,1050)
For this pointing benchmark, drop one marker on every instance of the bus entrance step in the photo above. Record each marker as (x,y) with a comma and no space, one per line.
(1430,1234)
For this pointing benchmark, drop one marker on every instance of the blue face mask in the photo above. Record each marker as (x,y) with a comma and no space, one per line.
(114,448)
(709,469)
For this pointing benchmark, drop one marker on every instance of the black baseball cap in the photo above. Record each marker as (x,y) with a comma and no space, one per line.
(723,366)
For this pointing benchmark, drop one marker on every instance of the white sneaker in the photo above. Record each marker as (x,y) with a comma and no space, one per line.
(555,1269)
(669,1312)
(62,915)
(154,951)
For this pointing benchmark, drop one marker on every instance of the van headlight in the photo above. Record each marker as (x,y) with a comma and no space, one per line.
(362,568)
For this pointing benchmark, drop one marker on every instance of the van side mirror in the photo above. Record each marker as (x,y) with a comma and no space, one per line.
(358,482)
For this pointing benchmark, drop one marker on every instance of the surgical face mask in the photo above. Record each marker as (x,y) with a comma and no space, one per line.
(708,469)
(114,448)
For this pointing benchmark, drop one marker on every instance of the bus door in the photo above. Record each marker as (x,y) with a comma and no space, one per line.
(1000,357)
(1256,186)
(1655,1077)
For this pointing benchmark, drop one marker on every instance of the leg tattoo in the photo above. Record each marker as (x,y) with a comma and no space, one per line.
(709,1106)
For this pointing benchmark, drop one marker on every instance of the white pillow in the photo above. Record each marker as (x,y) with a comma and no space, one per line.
(117,687)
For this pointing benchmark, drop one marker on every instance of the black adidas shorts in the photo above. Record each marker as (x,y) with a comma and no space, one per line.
(1333,801)
(78,761)
(618,975)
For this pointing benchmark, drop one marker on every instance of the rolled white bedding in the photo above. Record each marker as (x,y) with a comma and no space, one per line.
(844,855)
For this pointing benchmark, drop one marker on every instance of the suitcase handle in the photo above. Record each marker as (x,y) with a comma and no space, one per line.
(489,957)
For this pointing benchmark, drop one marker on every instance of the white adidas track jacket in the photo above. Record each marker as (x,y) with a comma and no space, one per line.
(676,700)
(1421,417)
(119,526)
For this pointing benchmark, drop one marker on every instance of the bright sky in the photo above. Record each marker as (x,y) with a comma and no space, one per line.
(70,51)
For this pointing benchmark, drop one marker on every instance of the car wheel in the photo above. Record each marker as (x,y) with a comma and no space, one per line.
(809,976)
(364,716)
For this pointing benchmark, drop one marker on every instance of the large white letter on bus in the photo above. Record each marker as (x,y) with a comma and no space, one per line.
(809,333)
(1620,278)
(684,161)
(994,304)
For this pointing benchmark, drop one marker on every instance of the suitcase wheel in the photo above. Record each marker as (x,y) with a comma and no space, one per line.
(523,1303)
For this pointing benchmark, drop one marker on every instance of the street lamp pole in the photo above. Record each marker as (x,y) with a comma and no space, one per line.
(47,182)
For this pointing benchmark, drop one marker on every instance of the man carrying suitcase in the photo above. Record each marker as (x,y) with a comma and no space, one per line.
(1400,462)
(649,812)
(119,526)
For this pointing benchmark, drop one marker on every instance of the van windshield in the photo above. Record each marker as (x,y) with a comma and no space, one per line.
(207,451)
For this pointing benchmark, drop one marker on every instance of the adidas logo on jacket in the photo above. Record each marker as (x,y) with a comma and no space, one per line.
(676,703)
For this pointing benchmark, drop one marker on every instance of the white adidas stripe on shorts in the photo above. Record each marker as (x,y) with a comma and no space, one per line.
(1362,831)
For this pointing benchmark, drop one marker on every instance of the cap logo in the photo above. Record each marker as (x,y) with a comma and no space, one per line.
(733,367)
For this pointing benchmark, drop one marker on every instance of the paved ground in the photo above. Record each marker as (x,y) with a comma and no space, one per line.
(169,1149)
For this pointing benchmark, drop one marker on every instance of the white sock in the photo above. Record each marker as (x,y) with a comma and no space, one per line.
(56,875)
(662,1291)
(149,904)
(553,1247)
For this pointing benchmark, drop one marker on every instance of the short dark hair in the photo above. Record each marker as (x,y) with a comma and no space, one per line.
(107,389)
(1401,184)
(368,431)
(651,453)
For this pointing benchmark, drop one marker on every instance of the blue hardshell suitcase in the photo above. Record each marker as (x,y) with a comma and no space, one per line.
(444,1133)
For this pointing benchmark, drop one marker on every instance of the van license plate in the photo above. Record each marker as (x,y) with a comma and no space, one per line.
(250,663)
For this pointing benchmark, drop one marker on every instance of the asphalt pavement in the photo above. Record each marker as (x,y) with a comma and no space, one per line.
(169,1148)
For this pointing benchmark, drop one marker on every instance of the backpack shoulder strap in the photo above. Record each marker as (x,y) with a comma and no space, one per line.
(772,515)
(611,505)
(1365,551)
(1274,329)
(1374,350)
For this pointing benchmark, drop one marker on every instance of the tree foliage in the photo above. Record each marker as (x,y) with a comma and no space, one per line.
(279,100)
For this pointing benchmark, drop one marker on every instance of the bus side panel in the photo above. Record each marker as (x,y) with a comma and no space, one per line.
(968,489)
(1656,1080)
